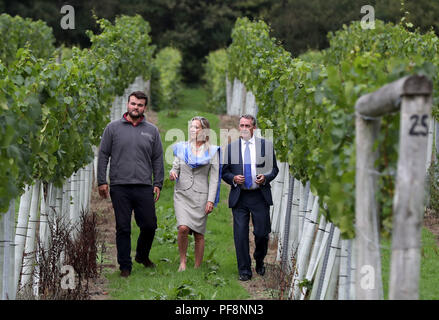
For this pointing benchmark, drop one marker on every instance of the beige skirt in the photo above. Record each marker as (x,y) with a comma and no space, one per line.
(189,206)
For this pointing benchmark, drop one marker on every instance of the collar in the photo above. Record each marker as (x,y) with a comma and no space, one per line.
(142,119)
(252,140)
(194,145)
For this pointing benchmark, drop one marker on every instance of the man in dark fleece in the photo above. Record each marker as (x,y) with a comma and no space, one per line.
(135,151)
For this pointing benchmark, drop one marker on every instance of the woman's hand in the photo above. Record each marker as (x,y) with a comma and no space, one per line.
(209,207)
(173,175)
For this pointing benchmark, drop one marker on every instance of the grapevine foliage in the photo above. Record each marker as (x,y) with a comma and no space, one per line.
(17,32)
(310,102)
(166,82)
(215,77)
(52,113)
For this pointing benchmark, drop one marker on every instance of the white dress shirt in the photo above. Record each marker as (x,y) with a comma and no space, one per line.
(252,157)
(252,147)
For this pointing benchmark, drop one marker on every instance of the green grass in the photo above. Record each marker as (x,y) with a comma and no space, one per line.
(429,280)
(218,276)
(194,98)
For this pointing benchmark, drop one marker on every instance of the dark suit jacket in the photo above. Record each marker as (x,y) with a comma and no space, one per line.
(265,164)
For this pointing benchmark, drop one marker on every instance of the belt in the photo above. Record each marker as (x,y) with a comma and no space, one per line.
(250,190)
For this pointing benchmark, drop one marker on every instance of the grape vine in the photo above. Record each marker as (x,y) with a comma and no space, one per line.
(310,102)
(52,113)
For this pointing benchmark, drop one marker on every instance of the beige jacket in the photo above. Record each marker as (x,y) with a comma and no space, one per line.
(203,179)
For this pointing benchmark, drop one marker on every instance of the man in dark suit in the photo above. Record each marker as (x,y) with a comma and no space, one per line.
(249,167)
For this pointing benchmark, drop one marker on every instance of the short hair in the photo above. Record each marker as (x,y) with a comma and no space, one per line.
(250,117)
(139,95)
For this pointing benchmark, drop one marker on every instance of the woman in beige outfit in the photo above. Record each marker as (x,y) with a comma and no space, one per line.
(196,170)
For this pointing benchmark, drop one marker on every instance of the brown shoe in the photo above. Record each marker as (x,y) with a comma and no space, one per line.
(125,273)
(147,263)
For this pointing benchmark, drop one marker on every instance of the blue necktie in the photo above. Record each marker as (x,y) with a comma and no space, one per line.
(247,166)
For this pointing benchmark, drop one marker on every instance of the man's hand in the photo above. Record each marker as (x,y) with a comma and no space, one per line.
(157,193)
(209,207)
(239,179)
(103,191)
(260,179)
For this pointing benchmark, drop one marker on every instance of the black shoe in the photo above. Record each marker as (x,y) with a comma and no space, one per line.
(260,268)
(125,273)
(147,263)
(244,277)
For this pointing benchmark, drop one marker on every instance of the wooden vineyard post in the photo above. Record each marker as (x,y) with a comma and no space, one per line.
(408,204)
(415,92)
(366,224)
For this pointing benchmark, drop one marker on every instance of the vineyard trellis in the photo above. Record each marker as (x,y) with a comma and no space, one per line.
(309,104)
(53,111)
(304,235)
(19,241)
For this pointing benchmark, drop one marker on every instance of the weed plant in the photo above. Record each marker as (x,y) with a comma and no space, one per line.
(67,245)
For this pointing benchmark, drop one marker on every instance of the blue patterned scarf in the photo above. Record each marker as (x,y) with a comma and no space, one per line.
(183,151)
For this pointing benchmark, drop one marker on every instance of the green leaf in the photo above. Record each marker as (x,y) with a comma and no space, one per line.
(68,100)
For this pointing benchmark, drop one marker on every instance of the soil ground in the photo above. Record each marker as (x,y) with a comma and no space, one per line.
(106,226)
